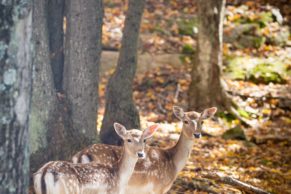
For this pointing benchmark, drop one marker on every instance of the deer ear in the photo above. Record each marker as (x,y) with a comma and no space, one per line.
(193,115)
(120,130)
(209,112)
(179,112)
(147,133)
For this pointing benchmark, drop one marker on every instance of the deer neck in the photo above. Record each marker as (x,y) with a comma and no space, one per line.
(125,168)
(181,152)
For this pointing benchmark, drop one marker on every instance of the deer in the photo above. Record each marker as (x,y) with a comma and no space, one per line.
(157,172)
(62,177)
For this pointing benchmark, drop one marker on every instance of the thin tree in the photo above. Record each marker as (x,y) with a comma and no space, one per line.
(207,87)
(15,94)
(119,102)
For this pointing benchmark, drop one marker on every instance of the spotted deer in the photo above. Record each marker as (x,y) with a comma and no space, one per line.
(60,177)
(157,172)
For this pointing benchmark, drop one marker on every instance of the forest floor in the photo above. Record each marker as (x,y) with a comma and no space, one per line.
(258,155)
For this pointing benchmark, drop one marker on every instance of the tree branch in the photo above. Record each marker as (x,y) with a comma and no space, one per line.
(236,183)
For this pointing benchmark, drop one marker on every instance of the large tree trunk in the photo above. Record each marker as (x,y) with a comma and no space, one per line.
(44,100)
(52,133)
(206,89)
(119,103)
(56,40)
(15,95)
(82,60)
(44,97)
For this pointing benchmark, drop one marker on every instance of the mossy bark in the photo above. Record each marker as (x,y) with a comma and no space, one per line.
(119,102)
(15,94)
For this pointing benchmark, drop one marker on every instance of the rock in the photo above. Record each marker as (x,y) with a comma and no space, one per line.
(234,133)
(277,15)
(266,73)
(231,35)
(244,36)
(280,38)
(257,70)
(249,41)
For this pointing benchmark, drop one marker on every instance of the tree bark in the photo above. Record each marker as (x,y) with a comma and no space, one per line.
(15,94)
(43,97)
(119,102)
(206,88)
(52,134)
(82,60)
(56,40)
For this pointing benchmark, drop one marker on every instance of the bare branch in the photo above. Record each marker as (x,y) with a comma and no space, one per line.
(236,183)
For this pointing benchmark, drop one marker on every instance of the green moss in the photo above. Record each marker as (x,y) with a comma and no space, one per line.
(187,26)
(257,70)
(188,49)
(37,131)
(266,73)
(234,69)
(226,116)
(262,19)
(234,133)
(243,113)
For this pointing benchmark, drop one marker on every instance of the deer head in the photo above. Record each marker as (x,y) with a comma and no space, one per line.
(193,121)
(134,141)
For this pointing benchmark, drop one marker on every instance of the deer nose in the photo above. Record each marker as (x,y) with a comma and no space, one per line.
(140,154)
(197,135)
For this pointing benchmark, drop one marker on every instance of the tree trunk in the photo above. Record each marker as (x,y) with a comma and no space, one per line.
(43,97)
(206,88)
(119,103)
(52,134)
(15,95)
(56,40)
(82,60)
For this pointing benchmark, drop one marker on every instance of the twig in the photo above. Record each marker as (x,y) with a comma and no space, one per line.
(177,93)
(163,98)
(161,108)
(236,183)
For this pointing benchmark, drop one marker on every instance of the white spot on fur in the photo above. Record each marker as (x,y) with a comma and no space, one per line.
(85,159)
(75,159)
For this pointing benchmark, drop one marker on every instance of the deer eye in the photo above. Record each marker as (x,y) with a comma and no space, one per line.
(144,140)
(129,140)
(186,122)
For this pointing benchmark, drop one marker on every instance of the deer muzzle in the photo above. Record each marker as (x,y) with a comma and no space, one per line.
(197,135)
